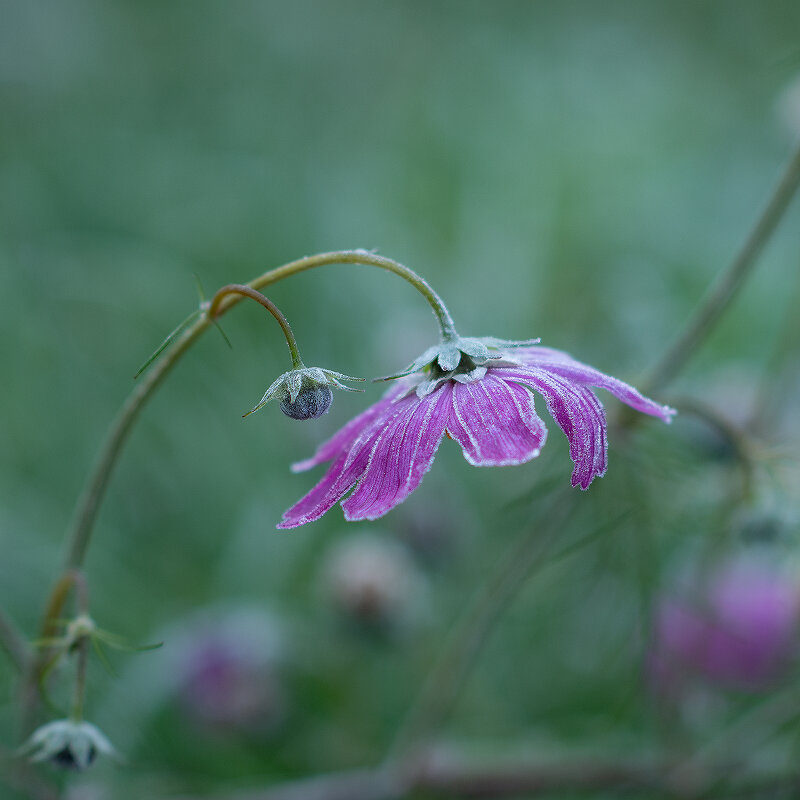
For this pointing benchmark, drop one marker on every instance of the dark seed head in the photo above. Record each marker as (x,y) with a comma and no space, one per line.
(65,759)
(310,403)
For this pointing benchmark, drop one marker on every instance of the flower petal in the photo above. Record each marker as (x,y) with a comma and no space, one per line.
(344,438)
(352,462)
(495,422)
(578,413)
(563,364)
(401,457)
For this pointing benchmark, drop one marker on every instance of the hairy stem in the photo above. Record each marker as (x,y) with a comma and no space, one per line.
(248,291)
(88,506)
(729,280)
(94,491)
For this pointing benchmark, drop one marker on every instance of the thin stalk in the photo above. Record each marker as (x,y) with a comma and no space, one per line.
(82,647)
(89,502)
(729,280)
(94,491)
(13,642)
(743,448)
(446,325)
(247,291)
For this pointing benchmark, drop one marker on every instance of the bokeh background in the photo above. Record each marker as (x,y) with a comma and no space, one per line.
(575,171)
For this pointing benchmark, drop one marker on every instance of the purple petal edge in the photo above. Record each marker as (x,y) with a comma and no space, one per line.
(400,459)
(561,363)
(495,423)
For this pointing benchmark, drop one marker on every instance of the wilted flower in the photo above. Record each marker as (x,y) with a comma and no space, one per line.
(67,744)
(372,581)
(305,393)
(480,393)
(739,630)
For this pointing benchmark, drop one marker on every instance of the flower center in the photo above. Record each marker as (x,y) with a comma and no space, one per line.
(465,365)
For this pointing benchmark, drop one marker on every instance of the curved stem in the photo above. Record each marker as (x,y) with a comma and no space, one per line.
(729,281)
(447,327)
(88,505)
(247,291)
(89,502)
(736,438)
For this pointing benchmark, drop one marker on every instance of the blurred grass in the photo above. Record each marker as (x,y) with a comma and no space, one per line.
(574,171)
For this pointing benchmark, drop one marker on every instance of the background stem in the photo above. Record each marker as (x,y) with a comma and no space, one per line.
(13,642)
(729,280)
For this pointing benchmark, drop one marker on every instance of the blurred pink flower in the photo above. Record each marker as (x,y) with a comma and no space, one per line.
(229,675)
(478,392)
(740,632)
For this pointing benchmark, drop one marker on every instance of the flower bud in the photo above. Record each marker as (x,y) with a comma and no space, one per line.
(372,582)
(67,744)
(305,393)
(310,403)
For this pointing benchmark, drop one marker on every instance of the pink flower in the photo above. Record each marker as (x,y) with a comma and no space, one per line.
(480,393)
(738,631)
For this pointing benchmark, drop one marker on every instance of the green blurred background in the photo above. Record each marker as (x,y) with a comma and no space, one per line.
(576,171)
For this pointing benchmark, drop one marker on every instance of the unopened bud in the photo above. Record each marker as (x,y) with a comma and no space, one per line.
(305,393)
(310,403)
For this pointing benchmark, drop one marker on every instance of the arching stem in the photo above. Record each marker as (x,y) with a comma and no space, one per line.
(248,291)
(88,506)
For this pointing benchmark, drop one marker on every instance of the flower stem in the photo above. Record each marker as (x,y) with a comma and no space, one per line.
(13,642)
(89,502)
(447,327)
(247,291)
(82,648)
(88,506)
(729,281)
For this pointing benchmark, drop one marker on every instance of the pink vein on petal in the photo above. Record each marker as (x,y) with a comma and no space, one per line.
(495,423)
(399,461)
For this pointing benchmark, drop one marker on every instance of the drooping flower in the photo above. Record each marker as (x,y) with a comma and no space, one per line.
(480,393)
(737,629)
(67,744)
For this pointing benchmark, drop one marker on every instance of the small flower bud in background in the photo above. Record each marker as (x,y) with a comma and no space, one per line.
(230,672)
(370,580)
(738,629)
(67,744)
